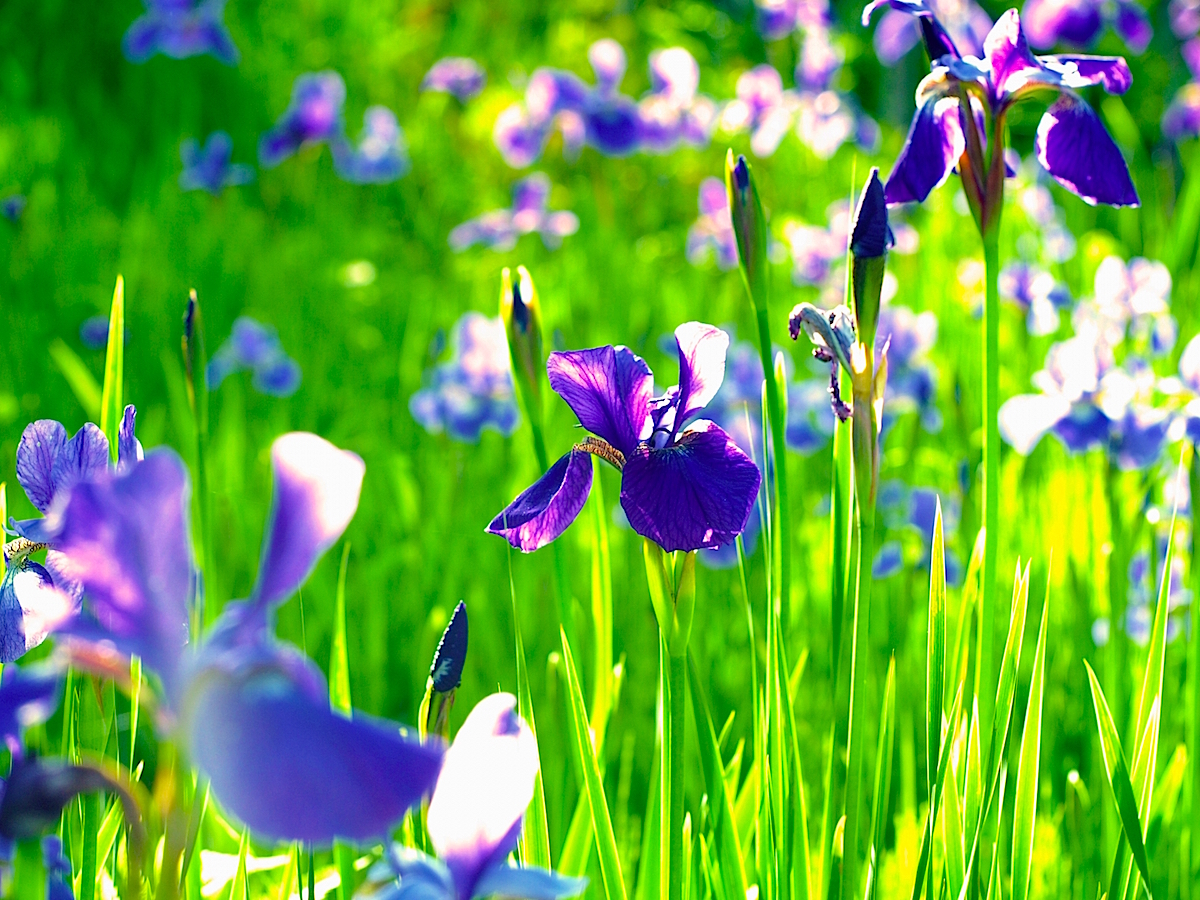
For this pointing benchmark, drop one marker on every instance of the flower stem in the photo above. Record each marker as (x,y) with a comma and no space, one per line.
(781,527)
(677,681)
(1192,865)
(991,470)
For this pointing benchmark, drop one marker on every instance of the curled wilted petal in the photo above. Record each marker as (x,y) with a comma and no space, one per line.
(451,654)
(36,791)
(543,511)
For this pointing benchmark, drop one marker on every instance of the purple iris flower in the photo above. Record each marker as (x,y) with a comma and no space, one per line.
(912,511)
(252,713)
(762,107)
(1036,292)
(499,229)
(683,486)
(1182,118)
(779,18)
(674,112)
(314,115)
(1131,300)
(712,233)
(1079,23)
(255,347)
(93,332)
(12,206)
(179,29)
(209,168)
(552,99)
(474,819)
(1072,143)
(457,75)
(814,250)
(474,389)
(961,23)
(381,154)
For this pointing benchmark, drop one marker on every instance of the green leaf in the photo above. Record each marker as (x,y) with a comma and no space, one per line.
(883,777)
(1118,778)
(935,654)
(923,866)
(339,657)
(79,377)
(593,787)
(535,830)
(114,369)
(290,874)
(1025,804)
(239,888)
(952,834)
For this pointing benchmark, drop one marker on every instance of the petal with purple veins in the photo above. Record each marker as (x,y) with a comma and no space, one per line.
(608,388)
(83,458)
(1012,63)
(1074,147)
(543,511)
(702,351)
(695,493)
(935,142)
(41,443)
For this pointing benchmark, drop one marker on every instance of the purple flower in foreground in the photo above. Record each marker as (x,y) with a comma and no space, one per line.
(209,168)
(381,154)
(1072,143)
(252,713)
(254,346)
(457,75)
(314,115)
(683,486)
(474,819)
(1079,23)
(712,233)
(474,389)
(12,206)
(179,29)
(499,229)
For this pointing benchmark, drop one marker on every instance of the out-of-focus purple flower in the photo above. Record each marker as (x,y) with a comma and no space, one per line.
(1036,292)
(762,107)
(683,486)
(1142,599)
(911,377)
(898,32)
(12,206)
(814,250)
(381,154)
(1079,23)
(457,75)
(314,115)
(712,233)
(1182,118)
(1131,301)
(255,347)
(910,513)
(499,229)
(474,389)
(474,819)
(779,18)
(209,168)
(58,869)
(179,29)
(93,332)
(673,112)
(253,713)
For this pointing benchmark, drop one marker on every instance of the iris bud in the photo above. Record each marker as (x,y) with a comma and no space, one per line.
(870,238)
(749,227)
(445,674)
(521,314)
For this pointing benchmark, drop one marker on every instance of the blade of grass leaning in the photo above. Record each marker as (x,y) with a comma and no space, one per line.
(1117,774)
(340,701)
(935,667)
(239,888)
(883,779)
(923,863)
(114,369)
(602,614)
(78,377)
(1025,804)
(732,866)
(290,874)
(649,876)
(952,833)
(593,787)
(1122,883)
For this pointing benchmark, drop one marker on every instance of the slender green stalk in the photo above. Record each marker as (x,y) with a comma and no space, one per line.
(991,472)
(677,677)
(1191,861)
(780,520)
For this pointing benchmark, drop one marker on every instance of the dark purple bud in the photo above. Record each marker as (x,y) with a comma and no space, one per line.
(36,792)
(872,235)
(451,654)
(741,173)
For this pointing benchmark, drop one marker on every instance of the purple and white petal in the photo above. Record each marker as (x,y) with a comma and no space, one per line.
(1076,149)
(314,497)
(1012,63)
(675,73)
(1111,72)
(528,882)
(702,351)
(30,608)
(83,458)
(1189,365)
(542,511)
(41,443)
(129,448)
(608,62)
(457,75)
(696,493)
(934,144)
(1023,419)
(485,785)
(1074,22)
(608,388)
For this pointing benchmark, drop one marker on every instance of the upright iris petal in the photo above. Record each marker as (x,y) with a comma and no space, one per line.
(608,388)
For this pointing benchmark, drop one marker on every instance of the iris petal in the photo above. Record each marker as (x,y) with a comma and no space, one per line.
(82,458)
(1074,147)
(41,443)
(484,787)
(530,883)
(543,510)
(702,351)
(315,495)
(1026,417)
(28,696)
(31,606)
(1111,72)
(696,493)
(935,142)
(291,769)
(1013,63)
(129,448)
(608,388)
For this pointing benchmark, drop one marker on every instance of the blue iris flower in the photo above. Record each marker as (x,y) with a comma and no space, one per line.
(254,346)
(457,75)
(179,29)
(208,168)
(499,229)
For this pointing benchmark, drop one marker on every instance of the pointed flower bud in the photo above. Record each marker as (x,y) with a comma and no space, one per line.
(521,314)
(451,654)
(870,237)
(749,227)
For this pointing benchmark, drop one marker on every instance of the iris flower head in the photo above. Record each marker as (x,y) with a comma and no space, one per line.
(500,229)
(314,115)
(208,167)
(254,346)
(179,29)
(1080,23)
(685,484)
(381,154)
(457,75)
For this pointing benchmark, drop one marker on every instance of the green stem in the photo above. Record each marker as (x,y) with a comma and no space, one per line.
(562,583)
(781,524)
(1192,864)
(991,474)
(677,681)
(859,673)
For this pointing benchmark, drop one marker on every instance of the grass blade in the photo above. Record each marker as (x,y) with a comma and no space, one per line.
(602,611)
(883,778)
(1025,805)
(81,381)
(339,656)
(114,369)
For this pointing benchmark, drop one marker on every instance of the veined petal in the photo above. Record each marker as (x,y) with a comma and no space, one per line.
(1026,417)
(129,448)
(1074,147)
(935,142)
(1012,62)
(701,366)
(543,510)
(1111,72)
(41,443)
(608,388)
(530,883)
(290,768)
(82,458)
(315,495)
(695,493)
(485,785)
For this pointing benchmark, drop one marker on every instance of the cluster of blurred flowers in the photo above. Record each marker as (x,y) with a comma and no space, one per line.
(255,347)
(499,229)
(473,390)
(1141,598)
(909,516)
(1182,117)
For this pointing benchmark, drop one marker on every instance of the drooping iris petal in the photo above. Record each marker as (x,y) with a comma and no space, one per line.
(608,388)
(1026,417)
(485,785)
(543,510)
(1111,72)
(41,443)
(28,696)
(693,494)
(608,62)
(701,366)
(314,496)
(36,791)
(129,448)
(1076,149)
(935,142)
(289,767)
(529,883)
(31,606)
(126,540)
